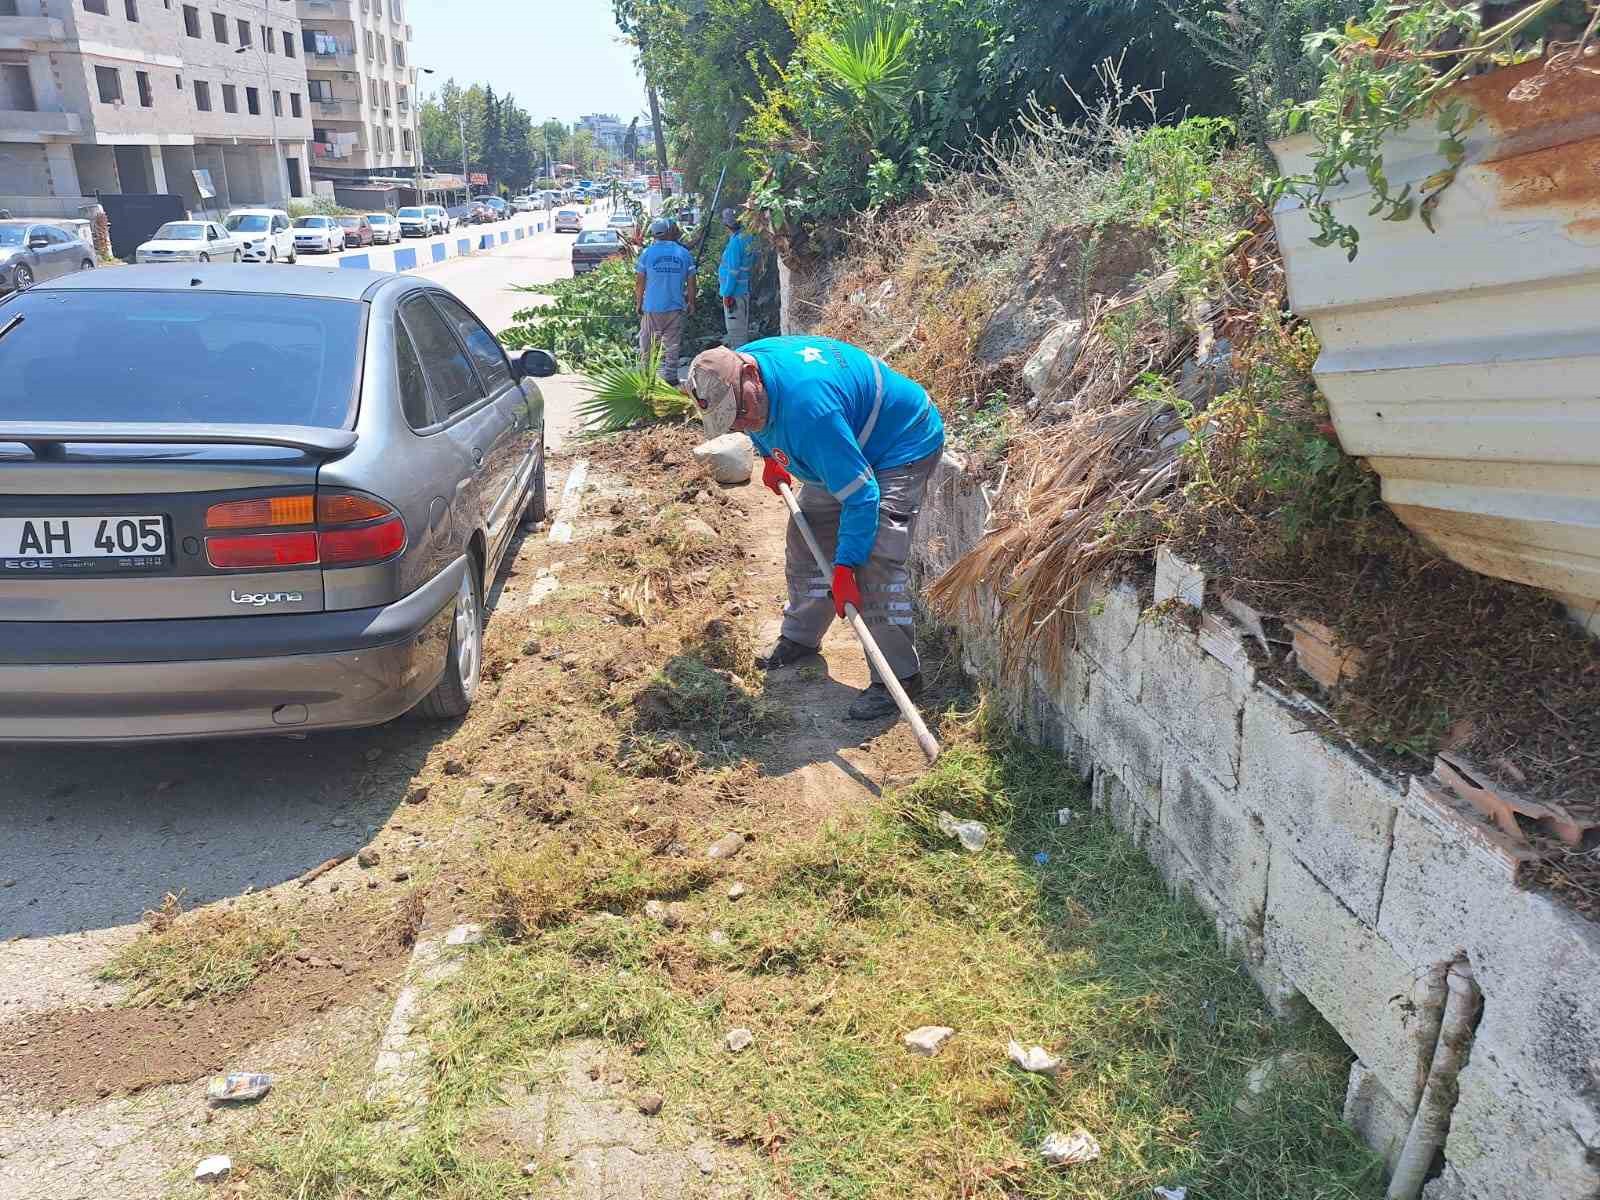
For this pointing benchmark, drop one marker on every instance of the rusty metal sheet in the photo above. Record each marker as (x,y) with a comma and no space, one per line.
(1465,364)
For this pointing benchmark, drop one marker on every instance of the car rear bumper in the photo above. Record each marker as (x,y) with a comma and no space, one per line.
(126,681)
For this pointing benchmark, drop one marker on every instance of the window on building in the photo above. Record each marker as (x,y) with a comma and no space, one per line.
(147,97)
(16,88)
(369,43)
(219,28)
(252,101)
(401,94)
(277,103)
(191,20)
(95,6)
(202,95)
(319,89)
(109,81)
(294,104)
(399,53)
(268,42)
(372,92)
(377,7)
(131,8)
(383,53)
(405,139)
(179,78)
(245,38)
(288,44)
(230,98)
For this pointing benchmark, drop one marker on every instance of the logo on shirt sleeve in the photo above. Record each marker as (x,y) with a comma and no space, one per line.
(810,354)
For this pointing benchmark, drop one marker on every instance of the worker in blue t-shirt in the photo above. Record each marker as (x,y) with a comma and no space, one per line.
(663,293)
(733,280)
(862,440)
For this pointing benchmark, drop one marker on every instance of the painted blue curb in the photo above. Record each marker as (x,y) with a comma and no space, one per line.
(358,262)
(463,245)
(439,252)
(406,259)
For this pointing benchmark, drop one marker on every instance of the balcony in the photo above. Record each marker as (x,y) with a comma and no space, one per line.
(337,108)
(30,33)
(341,10)
(42,125)
(343,61)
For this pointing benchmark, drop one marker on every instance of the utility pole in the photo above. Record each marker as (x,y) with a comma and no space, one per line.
(655,111)
(461,124)
(281,169)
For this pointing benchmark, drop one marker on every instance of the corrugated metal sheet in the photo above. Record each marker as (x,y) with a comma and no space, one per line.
(1465,364)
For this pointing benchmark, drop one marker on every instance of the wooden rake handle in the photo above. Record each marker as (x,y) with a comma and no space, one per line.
(925,739)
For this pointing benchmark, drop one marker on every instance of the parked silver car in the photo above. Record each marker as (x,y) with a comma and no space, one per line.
(34,251)
(294,529)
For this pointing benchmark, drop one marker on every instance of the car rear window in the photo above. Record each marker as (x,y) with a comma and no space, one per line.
(590,236)
(180,356)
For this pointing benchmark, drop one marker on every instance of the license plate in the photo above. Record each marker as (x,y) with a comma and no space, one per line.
(82,545)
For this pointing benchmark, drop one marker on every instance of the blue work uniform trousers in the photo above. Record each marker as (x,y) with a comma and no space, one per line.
(884,579)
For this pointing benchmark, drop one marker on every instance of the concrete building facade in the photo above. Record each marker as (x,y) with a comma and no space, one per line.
(361,88)
(135,96)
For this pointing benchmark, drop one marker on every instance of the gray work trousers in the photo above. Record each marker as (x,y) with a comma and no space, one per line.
(738,321)
(884,580)
(666,328)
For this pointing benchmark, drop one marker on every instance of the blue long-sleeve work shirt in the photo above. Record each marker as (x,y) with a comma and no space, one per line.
(738,259)
(836,416)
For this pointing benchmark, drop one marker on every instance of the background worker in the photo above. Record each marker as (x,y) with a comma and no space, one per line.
(862,440)
(733,280)
(663,293)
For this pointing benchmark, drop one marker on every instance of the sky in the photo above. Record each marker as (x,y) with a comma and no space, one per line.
(559,58)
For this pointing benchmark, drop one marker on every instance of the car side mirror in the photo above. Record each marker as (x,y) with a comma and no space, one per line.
(537,364)
(38,242)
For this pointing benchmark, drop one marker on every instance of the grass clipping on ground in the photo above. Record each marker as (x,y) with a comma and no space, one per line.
(209,954)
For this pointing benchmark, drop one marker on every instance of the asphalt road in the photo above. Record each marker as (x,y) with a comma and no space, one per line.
(92,837)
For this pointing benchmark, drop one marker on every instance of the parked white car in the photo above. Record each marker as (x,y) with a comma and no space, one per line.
(414,221)
(385,229)
(438,219)
(190,241)
(264,234)
(318,235)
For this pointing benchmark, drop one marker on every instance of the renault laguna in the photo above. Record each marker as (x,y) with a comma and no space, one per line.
(242,504)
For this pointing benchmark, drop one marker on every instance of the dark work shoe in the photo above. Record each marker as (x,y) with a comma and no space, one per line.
(783,652)
(875,701)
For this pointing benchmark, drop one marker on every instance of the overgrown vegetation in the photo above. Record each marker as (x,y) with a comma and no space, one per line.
(208,954)
(589,323)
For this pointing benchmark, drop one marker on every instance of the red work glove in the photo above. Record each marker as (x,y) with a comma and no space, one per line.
(772,475)
(845,590)
(729,303)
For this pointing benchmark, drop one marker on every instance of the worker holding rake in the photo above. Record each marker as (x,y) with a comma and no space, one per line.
(862,440)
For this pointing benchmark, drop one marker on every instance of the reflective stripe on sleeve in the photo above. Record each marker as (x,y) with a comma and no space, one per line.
(877,406)
(854,486)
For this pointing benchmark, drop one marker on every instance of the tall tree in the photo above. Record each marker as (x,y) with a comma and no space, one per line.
(492,158)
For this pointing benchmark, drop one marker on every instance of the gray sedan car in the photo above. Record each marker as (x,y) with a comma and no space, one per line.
(233,503)
(34,251)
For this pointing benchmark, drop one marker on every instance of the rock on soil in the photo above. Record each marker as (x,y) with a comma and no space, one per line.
(928,1040)
(214,1169)
(695,527)
(725,846)
(737,891)
(368,857)
(650,1103)
(738,1039)
(729,457)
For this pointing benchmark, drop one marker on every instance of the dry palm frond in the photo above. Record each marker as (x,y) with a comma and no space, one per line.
(635,600)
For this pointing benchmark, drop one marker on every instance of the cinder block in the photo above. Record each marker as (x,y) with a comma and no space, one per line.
(1121,734)
(1194,699)
(1111,796)
(1333,813)
(1536,962)
(1507,1142)
(1347,972)
(1378,1117)
(1226,844)
(1108,632)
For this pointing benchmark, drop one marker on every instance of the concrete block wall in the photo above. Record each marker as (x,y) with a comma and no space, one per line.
(1338,886)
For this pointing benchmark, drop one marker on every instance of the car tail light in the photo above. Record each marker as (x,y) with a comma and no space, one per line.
(350,530)
(262,550)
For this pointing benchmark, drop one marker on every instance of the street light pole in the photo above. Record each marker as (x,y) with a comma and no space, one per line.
(416,122)
(281,169)
(461,124)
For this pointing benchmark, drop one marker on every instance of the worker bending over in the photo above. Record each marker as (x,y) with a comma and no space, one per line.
(862,440)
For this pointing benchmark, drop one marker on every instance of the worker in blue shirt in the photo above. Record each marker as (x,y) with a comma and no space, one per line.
(733,279)
(862,440)
(663,293)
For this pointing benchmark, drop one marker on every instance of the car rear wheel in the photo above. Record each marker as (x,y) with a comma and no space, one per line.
(272,254)
(86,265)
(22,280)
(454,693)
(205,258)
(236,256)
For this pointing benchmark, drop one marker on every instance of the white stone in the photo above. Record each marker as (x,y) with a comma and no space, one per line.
(1035,1059)
(737,891)
(464,935)
(1348,973)
(1054,359)
(730,458)
(927,1040)
(696,528)
(214,1169)
(1178,579)
(725,846)
(738,1039)
(1319,802)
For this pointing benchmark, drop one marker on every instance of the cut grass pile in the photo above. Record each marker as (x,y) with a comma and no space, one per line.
(208,954)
